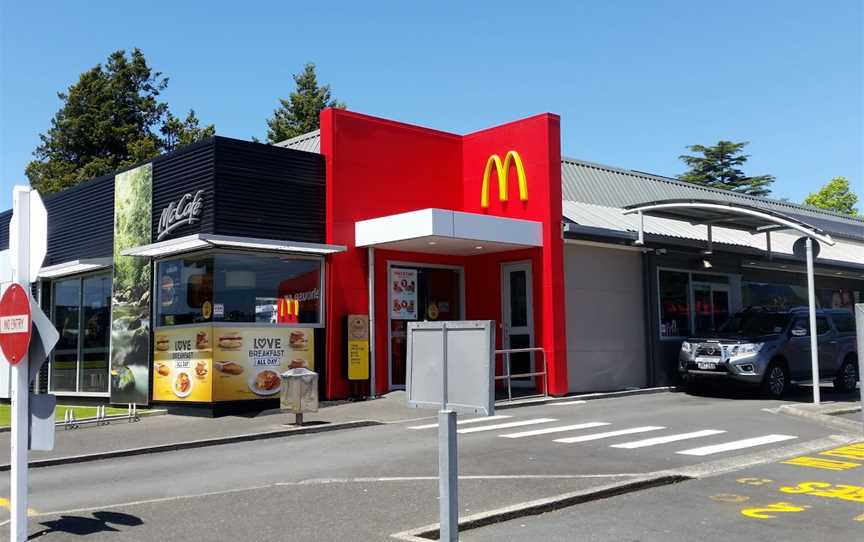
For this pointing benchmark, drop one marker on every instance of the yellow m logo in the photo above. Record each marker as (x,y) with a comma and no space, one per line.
(503,170)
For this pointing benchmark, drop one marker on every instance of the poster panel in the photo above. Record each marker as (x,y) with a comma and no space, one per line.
(248,361)
(403,294)
(183,364)
(358,347)
(130,296)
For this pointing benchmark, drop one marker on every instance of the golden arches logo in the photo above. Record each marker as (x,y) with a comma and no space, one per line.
(503,170)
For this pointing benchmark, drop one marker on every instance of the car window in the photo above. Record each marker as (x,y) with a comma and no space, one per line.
(845,323)
(755,323)
(822,325)
(801,327)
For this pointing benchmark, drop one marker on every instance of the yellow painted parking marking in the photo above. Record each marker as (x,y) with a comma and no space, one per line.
(859,518)
(729,497)
(770,511)
(821,463)
(843,492)
(853,451)
(6,503)
(754,481)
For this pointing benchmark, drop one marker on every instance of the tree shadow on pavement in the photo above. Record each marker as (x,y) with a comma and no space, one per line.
(100,523)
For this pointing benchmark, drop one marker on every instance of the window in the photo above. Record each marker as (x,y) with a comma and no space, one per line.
(238,287)
(185,285)
(755,323)
(845,323)
(674,304)
(803,323)
(82,314)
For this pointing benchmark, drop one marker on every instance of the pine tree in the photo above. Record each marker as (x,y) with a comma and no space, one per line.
(719,167)
(110,118)
(299,114)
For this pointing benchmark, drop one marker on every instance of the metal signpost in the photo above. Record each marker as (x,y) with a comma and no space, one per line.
(451,366)
(28,239)
(859,324)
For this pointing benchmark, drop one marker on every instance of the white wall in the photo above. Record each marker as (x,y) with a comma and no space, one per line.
(606,347)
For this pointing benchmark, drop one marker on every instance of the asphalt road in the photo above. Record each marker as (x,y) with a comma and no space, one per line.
(365,484)
(802,501)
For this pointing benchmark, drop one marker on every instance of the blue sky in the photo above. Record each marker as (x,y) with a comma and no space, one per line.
(634,82)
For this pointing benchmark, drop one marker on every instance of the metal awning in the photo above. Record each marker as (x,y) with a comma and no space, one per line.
(728,215)
(75,267)
(441,231)
(200,241)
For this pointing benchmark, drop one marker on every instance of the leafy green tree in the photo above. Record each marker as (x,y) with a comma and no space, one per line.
(719,167)
(177,133)
(834,196)
(299,114)
(111,118)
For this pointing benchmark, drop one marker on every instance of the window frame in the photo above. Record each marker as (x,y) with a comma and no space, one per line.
(213,252)
(80,343)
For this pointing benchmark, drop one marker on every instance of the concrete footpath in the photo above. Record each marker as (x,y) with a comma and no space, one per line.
(167,431)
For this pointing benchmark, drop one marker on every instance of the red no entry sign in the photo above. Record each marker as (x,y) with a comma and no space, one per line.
(14,323)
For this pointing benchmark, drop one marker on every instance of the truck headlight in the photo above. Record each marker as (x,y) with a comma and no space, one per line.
(687,348)
(745,349)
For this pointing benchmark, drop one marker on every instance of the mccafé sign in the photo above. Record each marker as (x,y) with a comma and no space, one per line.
(185,211)
(503,171)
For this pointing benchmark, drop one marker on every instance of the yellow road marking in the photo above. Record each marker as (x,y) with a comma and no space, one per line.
(729,497)
(754,481)
(853,451)
(6,503)
(859,518)
(766,512)
(843,492)
(821,463)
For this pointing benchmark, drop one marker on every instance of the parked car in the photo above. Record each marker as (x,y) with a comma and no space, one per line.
(772,348)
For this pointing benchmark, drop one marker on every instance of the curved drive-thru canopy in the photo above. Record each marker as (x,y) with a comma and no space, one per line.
(748,218)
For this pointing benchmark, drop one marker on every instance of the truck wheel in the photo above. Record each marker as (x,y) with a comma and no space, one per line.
(776,381)
(847,377)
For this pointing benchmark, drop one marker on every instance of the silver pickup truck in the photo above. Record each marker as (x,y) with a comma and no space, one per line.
(771,349)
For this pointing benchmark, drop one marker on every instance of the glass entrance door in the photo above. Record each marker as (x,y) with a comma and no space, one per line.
(517,317)
(418,294)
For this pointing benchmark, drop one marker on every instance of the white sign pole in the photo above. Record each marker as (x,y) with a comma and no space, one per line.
(859,318)
(20,260)
(814,342)
(448,471)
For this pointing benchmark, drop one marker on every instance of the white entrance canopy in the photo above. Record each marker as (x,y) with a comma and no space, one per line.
(74,267)
(439,231)
(748,218)
(200,241)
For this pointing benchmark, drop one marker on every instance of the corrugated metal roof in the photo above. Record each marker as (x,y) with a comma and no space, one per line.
(309,142)
(608,186)
(611,218)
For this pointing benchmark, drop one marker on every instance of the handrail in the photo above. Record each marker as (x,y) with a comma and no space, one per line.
(509,376)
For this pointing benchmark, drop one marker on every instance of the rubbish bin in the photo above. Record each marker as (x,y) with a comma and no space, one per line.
(299,392)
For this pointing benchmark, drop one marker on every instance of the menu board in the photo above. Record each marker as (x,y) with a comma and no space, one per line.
(403,294)
(248,361)
(182,364)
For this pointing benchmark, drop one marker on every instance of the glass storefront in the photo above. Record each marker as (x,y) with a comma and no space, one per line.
(238,288)
(417,294)
(81,312)
(692,302)
(785,296)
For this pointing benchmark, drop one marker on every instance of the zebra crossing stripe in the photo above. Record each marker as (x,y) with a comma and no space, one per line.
(669,438)
(507,425)
(597,436)
(463,422)
(565,403)
(559,429)
(736,445)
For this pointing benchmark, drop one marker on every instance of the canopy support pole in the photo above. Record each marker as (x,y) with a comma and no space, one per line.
(641,239)
(814,343)
(768,244)
(373,392)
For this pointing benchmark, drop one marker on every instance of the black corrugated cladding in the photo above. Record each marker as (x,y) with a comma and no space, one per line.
(183,171)
(80,222)
(269,192)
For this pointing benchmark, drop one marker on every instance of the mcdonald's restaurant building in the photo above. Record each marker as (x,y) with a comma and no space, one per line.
(194,279)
